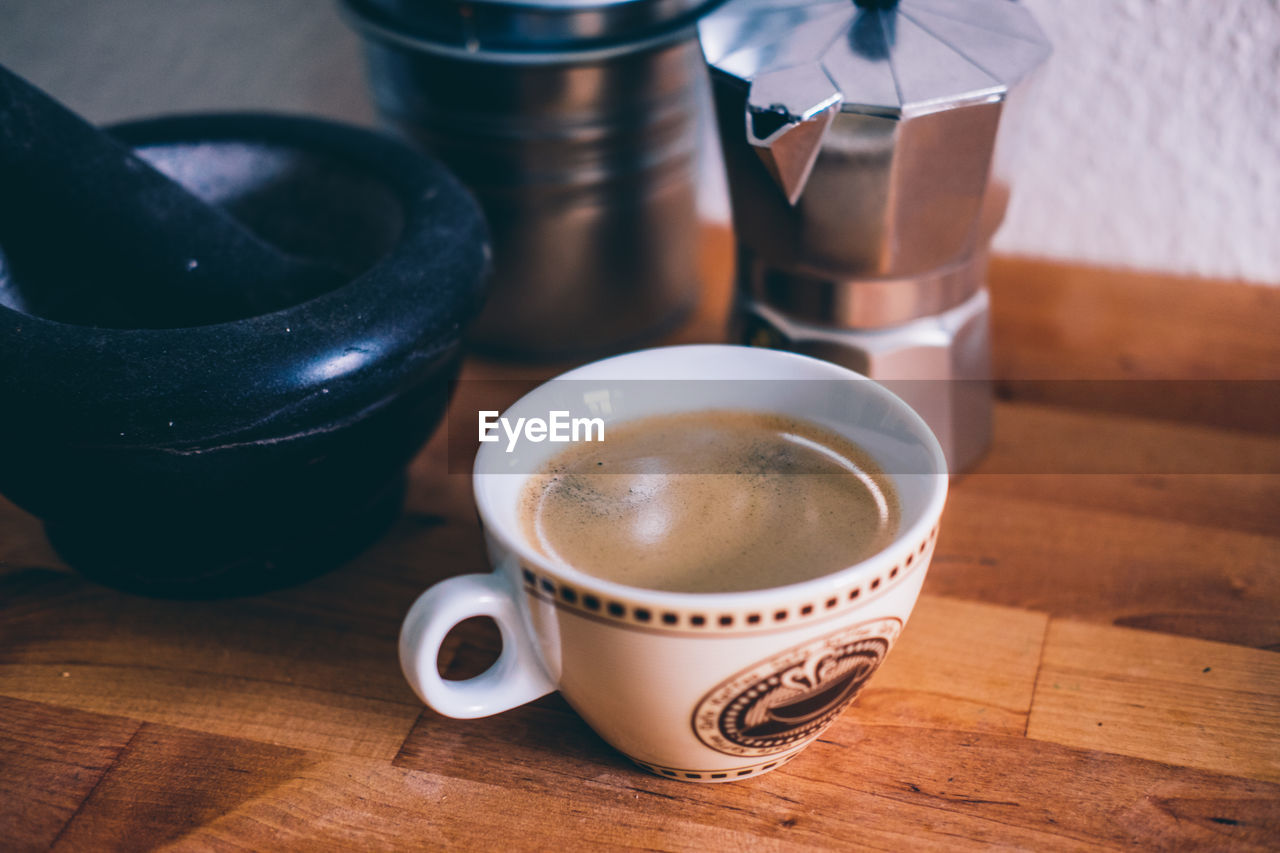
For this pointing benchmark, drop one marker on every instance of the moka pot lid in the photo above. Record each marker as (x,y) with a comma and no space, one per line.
(806,61)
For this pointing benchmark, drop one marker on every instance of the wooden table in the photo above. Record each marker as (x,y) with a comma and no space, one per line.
(1092,664)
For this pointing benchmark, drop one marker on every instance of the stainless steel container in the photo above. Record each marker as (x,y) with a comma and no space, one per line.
(860,139)
(575,124)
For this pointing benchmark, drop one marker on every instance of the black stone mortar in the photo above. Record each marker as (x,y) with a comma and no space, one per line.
(251,452)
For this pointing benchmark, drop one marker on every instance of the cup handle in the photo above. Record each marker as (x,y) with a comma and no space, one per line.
(516,677)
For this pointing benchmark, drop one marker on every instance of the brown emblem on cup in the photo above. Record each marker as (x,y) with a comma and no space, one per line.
(790,698)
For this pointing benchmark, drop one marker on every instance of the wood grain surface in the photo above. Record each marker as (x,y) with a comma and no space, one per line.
(1092,664)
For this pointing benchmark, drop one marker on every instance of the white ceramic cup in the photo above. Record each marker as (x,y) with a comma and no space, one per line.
(696,686)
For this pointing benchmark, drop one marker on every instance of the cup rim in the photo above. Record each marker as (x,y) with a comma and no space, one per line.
(903,545)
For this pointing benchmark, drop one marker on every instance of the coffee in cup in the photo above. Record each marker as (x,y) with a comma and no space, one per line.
(711,501)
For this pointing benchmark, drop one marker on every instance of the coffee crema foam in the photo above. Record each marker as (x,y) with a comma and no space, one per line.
(711,501)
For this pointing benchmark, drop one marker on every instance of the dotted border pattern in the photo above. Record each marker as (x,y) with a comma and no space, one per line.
(728,775)
(609,609)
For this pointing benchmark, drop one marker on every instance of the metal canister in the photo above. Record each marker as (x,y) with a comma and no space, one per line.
(574,122)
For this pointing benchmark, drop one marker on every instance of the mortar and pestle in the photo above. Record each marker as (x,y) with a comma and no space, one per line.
(222,337)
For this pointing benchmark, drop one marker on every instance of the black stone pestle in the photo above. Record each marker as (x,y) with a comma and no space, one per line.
(116,243)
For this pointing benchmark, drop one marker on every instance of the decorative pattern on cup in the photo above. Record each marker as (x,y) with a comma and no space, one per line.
(595,605)
(773,709)
(787,700)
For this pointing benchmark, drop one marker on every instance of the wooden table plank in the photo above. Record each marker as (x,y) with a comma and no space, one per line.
(50,761)
(881,787)
(1034,438)
(870,785)
(1188,702)
(171,782)
(1056,320)
(960,665)
(269,712)
(1212,347)
(1112,567)
(267,667)
(969,788)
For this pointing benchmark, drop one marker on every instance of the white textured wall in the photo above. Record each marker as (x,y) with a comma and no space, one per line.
(1155,139)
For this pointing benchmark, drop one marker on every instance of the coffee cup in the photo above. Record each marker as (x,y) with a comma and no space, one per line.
(697,686)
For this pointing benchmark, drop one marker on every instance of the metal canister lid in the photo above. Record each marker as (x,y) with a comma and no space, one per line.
(529,30)
(804,61)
